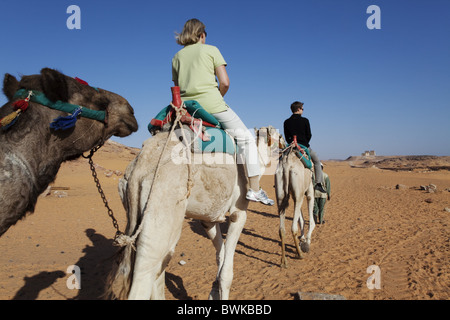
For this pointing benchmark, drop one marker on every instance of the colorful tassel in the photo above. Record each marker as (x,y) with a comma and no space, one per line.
(10,119)
(81,81)
(85,83)
(21,104)
(63,123)
(24,103)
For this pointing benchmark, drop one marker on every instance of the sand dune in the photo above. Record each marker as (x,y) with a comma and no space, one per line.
(403,232)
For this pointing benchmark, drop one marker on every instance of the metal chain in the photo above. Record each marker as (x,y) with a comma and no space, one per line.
(100,190)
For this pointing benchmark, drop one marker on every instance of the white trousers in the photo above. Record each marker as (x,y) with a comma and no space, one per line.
(245,141)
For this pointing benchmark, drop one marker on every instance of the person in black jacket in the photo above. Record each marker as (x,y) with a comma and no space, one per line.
(299,126)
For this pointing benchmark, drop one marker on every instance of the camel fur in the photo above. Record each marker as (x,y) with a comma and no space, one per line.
(31,152)
(293,179)
(206,191)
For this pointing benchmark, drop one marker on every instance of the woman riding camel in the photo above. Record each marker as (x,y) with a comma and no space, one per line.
(194,70)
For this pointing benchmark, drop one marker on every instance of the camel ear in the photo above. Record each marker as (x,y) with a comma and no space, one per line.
(54,85)
(10,86)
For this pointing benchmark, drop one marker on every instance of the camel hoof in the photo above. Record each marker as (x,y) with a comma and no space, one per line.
(305,247)
(215,292)
(284,265)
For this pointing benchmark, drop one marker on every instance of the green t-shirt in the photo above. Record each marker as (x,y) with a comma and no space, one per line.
(193,68)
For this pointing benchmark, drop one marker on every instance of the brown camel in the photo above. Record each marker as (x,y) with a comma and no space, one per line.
(31,152)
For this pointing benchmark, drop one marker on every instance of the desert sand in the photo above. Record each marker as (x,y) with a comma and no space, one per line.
(403,231)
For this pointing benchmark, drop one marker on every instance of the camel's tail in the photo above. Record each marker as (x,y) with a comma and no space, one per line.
(282,185)
(119,280)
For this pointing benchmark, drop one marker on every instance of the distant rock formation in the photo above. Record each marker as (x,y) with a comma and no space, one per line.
(404,163)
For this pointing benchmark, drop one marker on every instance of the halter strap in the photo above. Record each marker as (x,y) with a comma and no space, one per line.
(40,98)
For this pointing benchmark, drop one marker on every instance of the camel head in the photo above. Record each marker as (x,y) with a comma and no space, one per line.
(120,120)
(271,138)
(34,144)
(269,142)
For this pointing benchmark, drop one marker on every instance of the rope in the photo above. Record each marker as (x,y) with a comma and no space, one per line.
(123,240)
(290,147)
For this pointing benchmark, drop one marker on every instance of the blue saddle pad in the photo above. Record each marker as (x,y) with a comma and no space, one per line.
(306,160)
(220,141)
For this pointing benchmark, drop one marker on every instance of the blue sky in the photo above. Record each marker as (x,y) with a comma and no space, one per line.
(384,89)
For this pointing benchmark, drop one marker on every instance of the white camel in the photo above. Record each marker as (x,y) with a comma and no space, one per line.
(292,178)
(158,193)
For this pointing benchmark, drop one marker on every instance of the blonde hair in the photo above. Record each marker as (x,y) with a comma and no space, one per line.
(192,31)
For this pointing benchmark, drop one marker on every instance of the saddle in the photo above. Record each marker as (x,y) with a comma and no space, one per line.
(209,134)
(301,151)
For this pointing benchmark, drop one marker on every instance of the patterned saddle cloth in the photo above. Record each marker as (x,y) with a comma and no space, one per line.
(210,137)
(304,156)
(301,151)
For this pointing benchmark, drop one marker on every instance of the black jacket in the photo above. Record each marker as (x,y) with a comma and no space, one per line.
(298,126)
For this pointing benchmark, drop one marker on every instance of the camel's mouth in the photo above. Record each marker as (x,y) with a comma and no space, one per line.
(130,124)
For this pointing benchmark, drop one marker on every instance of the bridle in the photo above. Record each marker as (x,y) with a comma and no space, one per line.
(23,97)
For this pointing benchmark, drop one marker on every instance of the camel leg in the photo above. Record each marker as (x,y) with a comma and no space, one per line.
(282,194)
(282,233)
(225,276)
(312,223)
(298,218)
(214,233)
(154,249)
